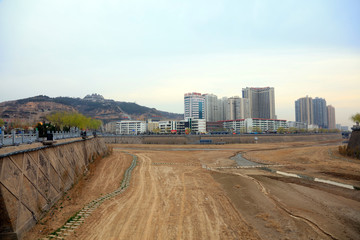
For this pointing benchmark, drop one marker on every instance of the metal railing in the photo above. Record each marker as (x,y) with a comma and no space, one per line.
(17,138)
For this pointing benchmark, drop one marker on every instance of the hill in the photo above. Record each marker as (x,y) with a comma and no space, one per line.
(96,106)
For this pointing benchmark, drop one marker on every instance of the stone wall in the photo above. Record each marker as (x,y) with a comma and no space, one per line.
(354,143)
(32,181)
(195,139)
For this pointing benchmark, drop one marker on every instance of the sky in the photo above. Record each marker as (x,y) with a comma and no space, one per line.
(153,51)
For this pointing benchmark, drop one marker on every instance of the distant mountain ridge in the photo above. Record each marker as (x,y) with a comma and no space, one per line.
(92,105)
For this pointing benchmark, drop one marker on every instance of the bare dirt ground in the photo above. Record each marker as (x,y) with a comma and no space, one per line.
(316,161)
(171,196)
(168,202)
(104,176)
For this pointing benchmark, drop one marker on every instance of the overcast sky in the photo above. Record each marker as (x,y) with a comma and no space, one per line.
(153,51)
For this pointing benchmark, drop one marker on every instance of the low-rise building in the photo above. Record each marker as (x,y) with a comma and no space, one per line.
(129,127)
(250,125)
(152,126)
(237,125)
(264,125)
(302,125)
(191,125)
(297,125)
(167,126)
(312,127)
(214,126)
(198,125)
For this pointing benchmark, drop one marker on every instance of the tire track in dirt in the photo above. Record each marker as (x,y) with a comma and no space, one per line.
(312,224)
(211,225)
(167,202)
(231,224)
(208,214)
(119,219)
(137,199)
(182,206)
(155,196)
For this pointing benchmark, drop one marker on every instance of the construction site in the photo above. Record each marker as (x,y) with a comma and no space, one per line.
(272,190)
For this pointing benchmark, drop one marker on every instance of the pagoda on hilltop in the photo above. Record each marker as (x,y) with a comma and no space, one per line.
(94,97)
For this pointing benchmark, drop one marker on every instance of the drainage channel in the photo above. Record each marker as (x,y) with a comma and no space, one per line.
(343,185)
(244,163)
(173,163)
(75,221)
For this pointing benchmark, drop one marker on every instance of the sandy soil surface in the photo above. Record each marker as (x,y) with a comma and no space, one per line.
(104,176)
(171,195)
(168,202)
(316,161)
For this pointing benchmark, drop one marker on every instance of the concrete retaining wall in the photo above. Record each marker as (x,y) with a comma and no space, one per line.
(31,182)
(195,139)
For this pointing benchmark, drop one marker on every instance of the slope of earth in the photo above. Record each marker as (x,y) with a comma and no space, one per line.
(30,111)
(104,176)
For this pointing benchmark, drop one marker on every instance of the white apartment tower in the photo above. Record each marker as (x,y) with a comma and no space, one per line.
(256,103)
(212,110)
(331,117)
(215,109)
(194,106)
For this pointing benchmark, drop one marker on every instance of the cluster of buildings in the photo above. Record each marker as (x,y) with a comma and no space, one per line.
(253,112)
(314,113)
(255,103)
(130,127)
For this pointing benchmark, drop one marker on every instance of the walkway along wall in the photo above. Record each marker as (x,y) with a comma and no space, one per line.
(226,139)
(33,180)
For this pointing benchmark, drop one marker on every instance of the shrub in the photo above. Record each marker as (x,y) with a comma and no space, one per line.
(345,151)
(342,150)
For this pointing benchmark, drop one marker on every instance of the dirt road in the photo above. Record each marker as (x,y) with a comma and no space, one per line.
(168,202)
(171,195)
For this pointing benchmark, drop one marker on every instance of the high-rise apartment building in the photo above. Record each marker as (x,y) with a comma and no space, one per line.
(238,108)
(261,102)
(304,110)
(320,112)
(220,113)
(331,117)
(224,107)
(212,108)
(314,111)
(194,106)
(234,105)
(244,111)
